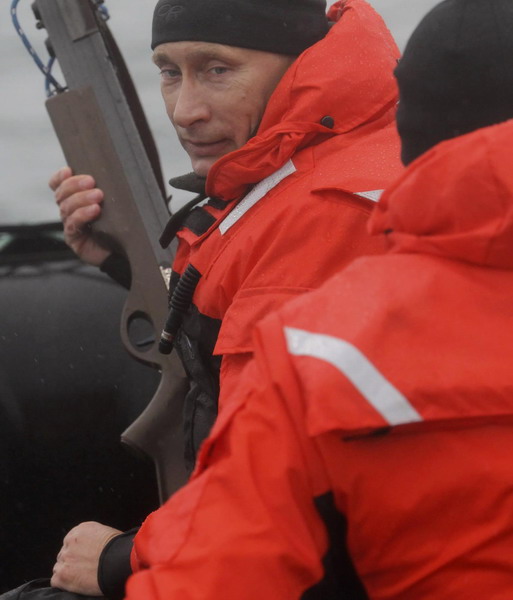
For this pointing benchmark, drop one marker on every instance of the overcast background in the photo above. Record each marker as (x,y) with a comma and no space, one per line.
(29,151)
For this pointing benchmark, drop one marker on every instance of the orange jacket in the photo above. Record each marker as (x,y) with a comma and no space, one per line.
(326,145)
(374,430)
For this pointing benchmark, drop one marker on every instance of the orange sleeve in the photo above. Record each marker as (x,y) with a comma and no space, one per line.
(246,525)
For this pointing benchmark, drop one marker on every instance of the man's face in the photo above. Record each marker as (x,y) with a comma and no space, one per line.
(215,95)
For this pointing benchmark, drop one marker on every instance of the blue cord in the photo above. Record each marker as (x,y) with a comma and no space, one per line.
(45,69)
(48,80)
(52,86)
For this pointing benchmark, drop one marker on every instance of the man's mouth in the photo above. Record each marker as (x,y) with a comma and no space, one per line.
(202,148)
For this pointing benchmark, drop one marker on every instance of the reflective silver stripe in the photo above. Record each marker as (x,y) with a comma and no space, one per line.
(256,194)
(373,195)
(380,393)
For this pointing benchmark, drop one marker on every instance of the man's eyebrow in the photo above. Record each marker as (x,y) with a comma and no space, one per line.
(161,58)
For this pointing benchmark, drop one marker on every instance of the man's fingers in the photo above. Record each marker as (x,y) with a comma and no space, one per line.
(59,578)
(78,201)
(57,178)
(77,223)
(73,185)
(61,581)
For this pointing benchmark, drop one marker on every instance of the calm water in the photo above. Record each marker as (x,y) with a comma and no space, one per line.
(29,152)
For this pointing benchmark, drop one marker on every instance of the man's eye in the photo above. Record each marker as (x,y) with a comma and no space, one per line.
(219,70)
(169,74)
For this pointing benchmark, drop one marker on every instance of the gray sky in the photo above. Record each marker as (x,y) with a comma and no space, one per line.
(29,151)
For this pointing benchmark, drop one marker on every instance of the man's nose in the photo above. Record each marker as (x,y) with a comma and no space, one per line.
(191,106)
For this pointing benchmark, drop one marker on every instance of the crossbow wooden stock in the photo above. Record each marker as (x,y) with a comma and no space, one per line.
(103,132)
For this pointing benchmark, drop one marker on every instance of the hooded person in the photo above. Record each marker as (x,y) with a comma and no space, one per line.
(287,115)
(366,451)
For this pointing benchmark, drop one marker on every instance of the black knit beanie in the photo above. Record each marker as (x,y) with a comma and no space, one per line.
(456,74)
(278,26)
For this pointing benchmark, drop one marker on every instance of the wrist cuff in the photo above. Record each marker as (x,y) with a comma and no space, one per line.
(114,565)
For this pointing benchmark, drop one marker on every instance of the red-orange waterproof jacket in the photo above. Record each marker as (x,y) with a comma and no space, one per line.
(374,430)
(325,148)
